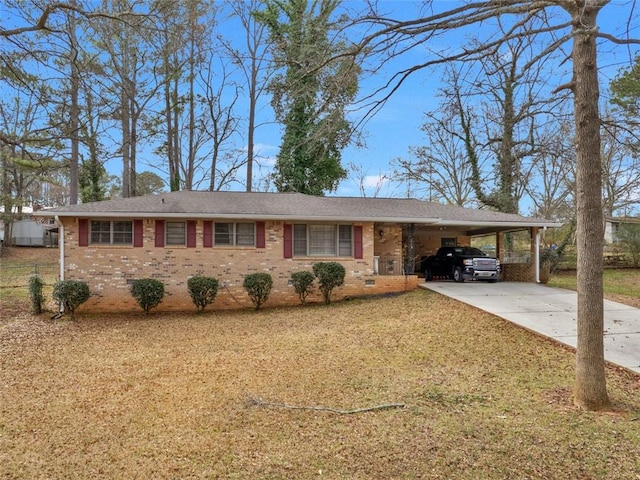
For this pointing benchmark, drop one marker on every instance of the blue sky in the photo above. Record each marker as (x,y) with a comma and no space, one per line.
(396,127)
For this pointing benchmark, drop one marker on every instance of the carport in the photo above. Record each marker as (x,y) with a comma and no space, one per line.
(407,230)
(517,246)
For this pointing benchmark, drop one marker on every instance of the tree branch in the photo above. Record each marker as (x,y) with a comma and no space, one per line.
(259,402)
(41,23)
(619,41)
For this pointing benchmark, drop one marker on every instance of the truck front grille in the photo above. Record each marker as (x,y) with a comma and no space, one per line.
(484,263)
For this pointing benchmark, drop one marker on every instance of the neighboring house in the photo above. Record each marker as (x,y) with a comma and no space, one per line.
(227,235)
(612,225)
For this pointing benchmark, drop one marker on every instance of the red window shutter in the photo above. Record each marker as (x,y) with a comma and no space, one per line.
(83,232)
(357,241)
(191,234)
(137,233)
(288,240)
(260,235)
(207,233)
(159,233)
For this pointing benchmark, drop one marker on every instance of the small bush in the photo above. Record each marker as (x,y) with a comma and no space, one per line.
(302,282)
(203,291)
(330,275)
(36,284)
(71,294)
(148,292)
(258,286)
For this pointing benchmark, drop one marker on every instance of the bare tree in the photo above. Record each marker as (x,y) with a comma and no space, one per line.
(368,185)
(579,29)
(127,79)
(552,183)
(441,171)
(253,61)
(621,169)
(221,125)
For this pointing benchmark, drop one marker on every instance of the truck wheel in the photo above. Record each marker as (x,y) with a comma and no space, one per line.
(457,275)
(428,275)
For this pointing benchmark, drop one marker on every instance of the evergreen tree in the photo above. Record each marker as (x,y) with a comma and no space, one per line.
(310,95)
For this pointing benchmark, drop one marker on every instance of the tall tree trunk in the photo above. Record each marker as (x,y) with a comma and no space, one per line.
(74,110)
(590,387)
(133,141)
(126,140)
(175,133)
(251,127)
(191,159)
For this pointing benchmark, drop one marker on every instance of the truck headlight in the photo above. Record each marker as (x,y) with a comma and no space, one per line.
(468,262)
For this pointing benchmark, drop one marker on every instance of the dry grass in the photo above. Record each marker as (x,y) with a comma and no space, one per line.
(620,284)
(174,396)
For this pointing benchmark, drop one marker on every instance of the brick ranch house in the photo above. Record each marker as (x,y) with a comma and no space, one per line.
(227,235)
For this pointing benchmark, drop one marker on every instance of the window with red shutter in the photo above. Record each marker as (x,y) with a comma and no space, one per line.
(260,235)
(288,240)
(357,241)
(207,233)
(159,233)
(191,234)
(138,232)
(83,232)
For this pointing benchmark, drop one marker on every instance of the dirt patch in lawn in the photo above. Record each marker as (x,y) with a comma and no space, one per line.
(200,396)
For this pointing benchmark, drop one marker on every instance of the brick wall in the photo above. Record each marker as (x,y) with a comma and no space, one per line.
(108,269)
(518,272)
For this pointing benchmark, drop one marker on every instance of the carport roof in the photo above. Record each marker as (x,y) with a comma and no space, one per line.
(293,207)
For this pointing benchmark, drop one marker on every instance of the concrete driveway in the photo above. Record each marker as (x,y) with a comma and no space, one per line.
(552,313)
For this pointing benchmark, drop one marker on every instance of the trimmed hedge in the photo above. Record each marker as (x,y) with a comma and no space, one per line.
(203,291)
(148,292)
(302,282)
(330,275)
(71,294)
(258,287)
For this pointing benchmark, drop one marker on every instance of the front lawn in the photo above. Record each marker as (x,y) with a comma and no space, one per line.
(194,396)
(620,284)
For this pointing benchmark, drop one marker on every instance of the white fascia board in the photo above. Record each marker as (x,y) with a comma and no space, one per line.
(478,223)
(306,218)
(240,216)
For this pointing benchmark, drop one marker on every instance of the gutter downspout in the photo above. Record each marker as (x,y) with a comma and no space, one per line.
(61,247)
(537,256)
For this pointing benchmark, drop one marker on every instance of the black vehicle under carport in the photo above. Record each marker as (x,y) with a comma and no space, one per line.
(460,264)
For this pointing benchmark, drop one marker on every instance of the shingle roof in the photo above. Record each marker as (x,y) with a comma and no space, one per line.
(290,207)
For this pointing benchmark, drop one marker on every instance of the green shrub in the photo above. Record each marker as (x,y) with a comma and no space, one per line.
(203,291)
(302,282)
(36,284)
(330,275)
(258,286)
(148,292)
(71,294)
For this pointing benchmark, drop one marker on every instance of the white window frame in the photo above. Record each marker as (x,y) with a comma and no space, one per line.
(237,238)
(335,246)
(175,242)
(113,233)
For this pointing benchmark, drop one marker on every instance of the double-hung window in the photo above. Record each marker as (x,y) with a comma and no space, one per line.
(322,240)
(239,234)
(176,233)
(105,232)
